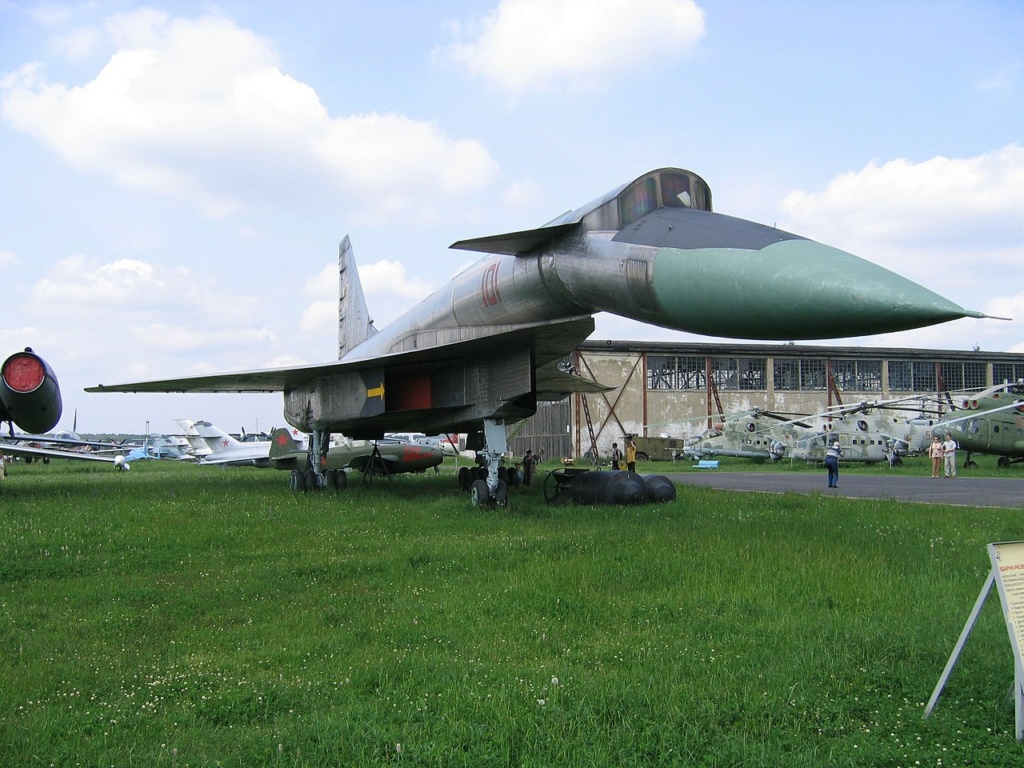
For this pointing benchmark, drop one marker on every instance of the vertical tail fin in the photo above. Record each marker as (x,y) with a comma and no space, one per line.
(215,438)
(354,322)
(282,444)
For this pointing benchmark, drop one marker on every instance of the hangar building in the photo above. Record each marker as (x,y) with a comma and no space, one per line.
(679,389)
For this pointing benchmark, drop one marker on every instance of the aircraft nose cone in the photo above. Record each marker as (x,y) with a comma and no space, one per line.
(792,289)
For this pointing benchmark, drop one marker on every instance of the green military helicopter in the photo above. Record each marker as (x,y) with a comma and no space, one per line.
(991,422)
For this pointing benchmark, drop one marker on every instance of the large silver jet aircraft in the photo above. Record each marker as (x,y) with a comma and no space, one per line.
(484,349)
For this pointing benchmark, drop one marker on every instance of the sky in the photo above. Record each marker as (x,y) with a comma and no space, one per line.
(177,176)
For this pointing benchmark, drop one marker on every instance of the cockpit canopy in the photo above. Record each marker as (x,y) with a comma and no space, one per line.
(663,188)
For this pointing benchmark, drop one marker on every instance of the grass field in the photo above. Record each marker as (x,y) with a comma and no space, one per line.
(186,616)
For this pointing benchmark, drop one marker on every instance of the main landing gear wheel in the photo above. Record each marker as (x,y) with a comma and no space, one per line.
(1004,462)
(337,479)
(297,480)
(501,494)
(480,494)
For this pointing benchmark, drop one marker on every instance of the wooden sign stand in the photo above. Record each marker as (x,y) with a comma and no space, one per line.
(1007,574)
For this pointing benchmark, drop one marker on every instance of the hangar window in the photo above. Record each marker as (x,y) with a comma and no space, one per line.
(912,376)
(962,376)
(753,372)
(869,376)
(812,374)
(1004,373)
(787,374)
(844,374)
(799,375)
(901,376)
(743,373)
(925,379)
(857,375)
(952,376)
(675,372)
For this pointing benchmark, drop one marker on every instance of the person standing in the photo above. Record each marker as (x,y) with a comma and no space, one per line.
(949,455)
(631,456)
(832,455)
(528,462)
(935,454)
(616,456)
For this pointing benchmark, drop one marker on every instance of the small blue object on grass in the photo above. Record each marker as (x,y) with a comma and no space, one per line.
(706,464)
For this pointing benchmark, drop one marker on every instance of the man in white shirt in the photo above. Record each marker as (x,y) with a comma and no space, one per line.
(949,455)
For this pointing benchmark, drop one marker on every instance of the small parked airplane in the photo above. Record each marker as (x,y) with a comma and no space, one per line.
(212,445)
(380,457)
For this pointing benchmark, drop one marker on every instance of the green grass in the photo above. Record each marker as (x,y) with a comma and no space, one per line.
(178,615)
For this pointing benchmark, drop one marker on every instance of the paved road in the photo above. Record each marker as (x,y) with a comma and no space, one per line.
(965,491)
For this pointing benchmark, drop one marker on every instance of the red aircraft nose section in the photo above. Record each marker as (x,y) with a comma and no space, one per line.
(29,395)
(24,372)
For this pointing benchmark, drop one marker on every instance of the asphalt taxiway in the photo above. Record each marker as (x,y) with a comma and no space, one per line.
(962,490)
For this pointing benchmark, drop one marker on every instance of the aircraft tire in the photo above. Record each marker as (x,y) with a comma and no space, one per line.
(503,474)
(336,479)
(1003,462)
(501,494)
(479,494)
(311,484)
(970,464)
(464,478)
(297,481)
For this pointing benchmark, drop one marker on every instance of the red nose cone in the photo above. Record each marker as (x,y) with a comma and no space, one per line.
(24,373)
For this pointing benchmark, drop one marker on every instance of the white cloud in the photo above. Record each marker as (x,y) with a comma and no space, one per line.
(387,286)
(386,278)
(176,338)
(539,43)
(950,224)
(8,259)
(200,111)
(522,194)
(136,293)
(941,201)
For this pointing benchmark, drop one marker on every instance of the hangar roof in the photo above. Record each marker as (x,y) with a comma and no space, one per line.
(794,350)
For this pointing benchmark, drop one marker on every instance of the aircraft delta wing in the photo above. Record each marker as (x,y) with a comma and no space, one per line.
(484,349)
